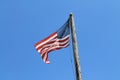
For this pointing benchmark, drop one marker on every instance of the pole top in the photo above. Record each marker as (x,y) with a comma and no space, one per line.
(71,14)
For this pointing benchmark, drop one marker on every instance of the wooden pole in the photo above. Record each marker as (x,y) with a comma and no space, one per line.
(75,48)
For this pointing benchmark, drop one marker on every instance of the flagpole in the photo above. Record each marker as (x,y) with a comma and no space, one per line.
(75,48)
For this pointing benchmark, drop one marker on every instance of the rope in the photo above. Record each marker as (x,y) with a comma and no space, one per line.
(72,62)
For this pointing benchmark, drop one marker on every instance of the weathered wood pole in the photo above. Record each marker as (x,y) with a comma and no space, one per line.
(75,48)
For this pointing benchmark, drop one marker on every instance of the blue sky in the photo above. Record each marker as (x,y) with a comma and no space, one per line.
(25,22)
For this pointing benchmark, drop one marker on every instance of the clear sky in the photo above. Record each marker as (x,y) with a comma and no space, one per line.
(25,22)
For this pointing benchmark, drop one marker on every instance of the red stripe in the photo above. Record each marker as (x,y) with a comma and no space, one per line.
(45,39)
(53,49)
(49,48)
(63,39)
(43,55)
(59,40)
(50,42)
(46,59)
(57,48)
(46,44)
(54,45)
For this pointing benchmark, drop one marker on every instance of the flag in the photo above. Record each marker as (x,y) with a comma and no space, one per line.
(56,41)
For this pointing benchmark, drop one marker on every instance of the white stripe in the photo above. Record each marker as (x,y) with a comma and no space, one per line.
(52,40)
(44,51)
(44,57)
(47,62)
(55,43)
(39,50)
(65,37)
(61,38)
(45,41)
(59,47)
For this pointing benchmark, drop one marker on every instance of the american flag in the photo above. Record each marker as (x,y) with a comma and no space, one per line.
(56,41)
